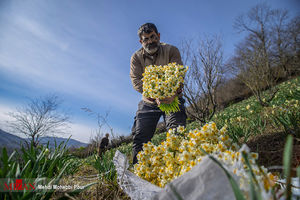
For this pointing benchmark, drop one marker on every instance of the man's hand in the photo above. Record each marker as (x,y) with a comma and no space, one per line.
(166,100)
(169,100)
(150,99)
(179,90)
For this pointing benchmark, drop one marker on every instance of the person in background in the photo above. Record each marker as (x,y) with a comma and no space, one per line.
(103,145)
(152,52)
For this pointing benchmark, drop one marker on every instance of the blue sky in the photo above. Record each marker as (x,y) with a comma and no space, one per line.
(80,50)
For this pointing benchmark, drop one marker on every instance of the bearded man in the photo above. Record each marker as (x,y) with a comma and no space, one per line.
(152,52)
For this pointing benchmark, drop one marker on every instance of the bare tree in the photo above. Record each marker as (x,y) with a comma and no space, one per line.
(252,62)
(293,30)
(39,117)
(279,36)
(203,77)
(102,122)
(248,68)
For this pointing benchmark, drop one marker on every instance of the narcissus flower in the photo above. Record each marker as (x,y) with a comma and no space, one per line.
(182,150)
(160,82)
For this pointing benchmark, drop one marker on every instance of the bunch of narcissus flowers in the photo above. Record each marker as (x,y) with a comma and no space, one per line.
(182,150)
(163,81)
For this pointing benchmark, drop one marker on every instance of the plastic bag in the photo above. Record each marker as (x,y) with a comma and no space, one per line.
(204,181)
(135,187)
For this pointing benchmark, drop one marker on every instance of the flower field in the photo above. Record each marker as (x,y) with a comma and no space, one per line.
(182,149)
(173,153)
(248,118)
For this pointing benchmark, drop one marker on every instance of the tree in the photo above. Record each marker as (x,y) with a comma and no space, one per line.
(203,77)
(293,30)
(39,117)
(102,122)
(252,63)
(248,68)
(280,39)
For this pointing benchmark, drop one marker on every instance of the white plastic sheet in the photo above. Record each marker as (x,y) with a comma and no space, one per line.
(135,187)
(295,190)
(204,181)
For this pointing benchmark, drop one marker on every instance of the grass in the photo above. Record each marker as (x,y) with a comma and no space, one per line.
(38,165)
(248,118)
(246,121)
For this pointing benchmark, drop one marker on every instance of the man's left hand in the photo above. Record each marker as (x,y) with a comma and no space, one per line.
(166,100)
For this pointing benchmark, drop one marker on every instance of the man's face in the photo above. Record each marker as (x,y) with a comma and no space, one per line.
(150,42)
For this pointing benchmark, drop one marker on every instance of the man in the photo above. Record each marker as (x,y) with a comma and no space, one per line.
(103,144)
(153,52)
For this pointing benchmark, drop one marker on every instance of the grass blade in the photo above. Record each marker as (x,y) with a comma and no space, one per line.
(178,196)
(236,190)
(254,186)
(287,158)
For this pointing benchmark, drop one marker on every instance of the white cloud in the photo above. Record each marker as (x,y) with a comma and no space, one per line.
(79,130)
(39,31)
(74,72)
(4,110)
(73,57)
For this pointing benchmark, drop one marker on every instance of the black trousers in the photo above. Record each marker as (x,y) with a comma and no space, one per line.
(101,151)
(146,119)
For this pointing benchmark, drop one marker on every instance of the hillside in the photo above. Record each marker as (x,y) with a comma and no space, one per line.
(71,142)
(11,141)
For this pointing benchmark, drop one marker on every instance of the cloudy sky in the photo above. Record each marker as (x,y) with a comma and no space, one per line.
(80,50)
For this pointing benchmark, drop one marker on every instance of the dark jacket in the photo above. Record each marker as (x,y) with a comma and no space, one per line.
(104,143)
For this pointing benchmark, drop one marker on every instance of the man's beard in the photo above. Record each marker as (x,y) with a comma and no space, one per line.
(151,48)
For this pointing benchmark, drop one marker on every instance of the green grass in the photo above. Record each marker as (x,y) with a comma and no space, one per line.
(39,164)
(243,120)
(105,166)
(248,118)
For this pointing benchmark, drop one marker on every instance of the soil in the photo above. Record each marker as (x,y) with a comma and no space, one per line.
(270,149)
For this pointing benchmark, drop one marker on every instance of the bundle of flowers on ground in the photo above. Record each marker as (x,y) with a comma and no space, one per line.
(163,81)
(183,149)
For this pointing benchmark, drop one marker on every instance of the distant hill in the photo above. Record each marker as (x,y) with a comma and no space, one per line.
(11,141)
(71,143)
